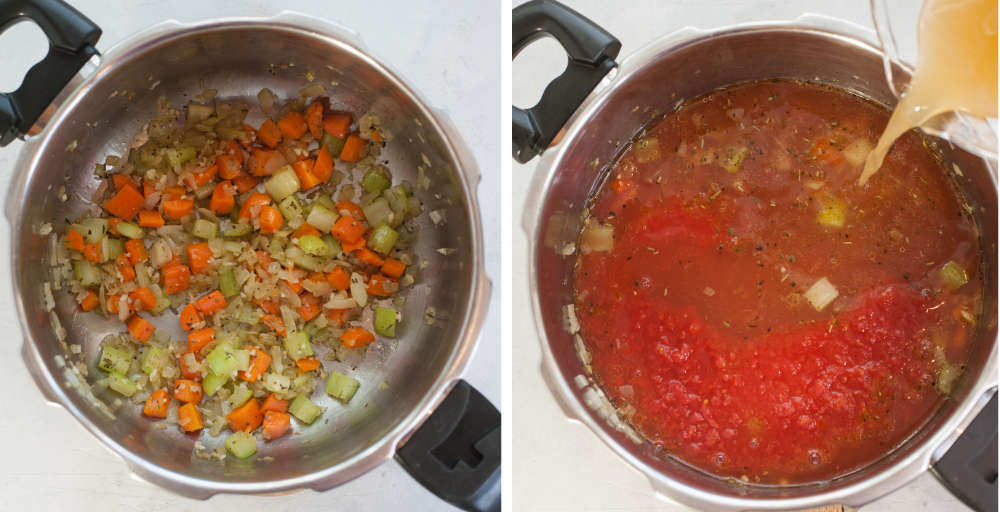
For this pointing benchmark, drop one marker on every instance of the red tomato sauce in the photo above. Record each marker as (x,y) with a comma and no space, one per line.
(724,214)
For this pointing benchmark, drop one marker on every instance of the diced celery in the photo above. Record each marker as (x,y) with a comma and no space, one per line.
(322,218)
(275,246)
(325,201)
(227,283)
(368,198)
(385,321)
(111,248)
(185,154)
(212,383)
(332,245)
(93,230)
(241,444)
(290,208)
(341,386)
(122,384)
(204,191)
(297,345)
(333,144)
(241,393)
(228,338)
(129,230)
(234,230)
(396,196)
(301,259)
(243,360)
(277,383)
(153,358)
(953,275)
(204,228)
(315,246)
(222,360)
(87,273)
(283,184)
(383,239)
(173,159)
(833,212)
(378,212)
(162,303)
(304,409)
(375,181)
(115,359)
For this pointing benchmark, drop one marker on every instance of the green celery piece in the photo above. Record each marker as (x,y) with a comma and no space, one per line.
(227,283)
(122,384)
(115,360)
(222,360)
(204,228)
(153,358)
(315,246)
(383,239)
(385,321)
(304,409)
(235,230)
(341,386)
(212,383)
(241,444)
(297,345)
(374,181)
(129,230)
(953,275)
(241,394)
(333,144)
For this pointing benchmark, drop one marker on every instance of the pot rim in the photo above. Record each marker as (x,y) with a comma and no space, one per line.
(562,386)
(43,373)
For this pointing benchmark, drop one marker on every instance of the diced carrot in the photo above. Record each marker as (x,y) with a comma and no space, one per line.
(353,246)
(348,229)
(323,168)
(199,257)
(244,182)
(229,166)
(233,149)
(143,297)
(140,328)
(223,198)
(176,278)
(125,204)
(269,134)
(355,148)
(211,303)
(337,124)
(121,180)
(310,307)
(274,323)
(173,192)
(293,126)
(826,150)
(74,240)
(270,219)
(189,418)
(269,306)
(339,279)
(90,301)
(178,208)
(308,364)
(150,219)
(261,158)
(375,135)
(157,404)
(125,268)
(355,337)
(246,417)
(190,317)
(203,177)
(249,136)
(258,199)
(303,169)
(259,361)
(113,223)
(113,303)
(136,251)
(305,229)
(187,391)
(200,339)
(276,424)
(393,268)
(368,256)
(350,208)
(92,252)
(186,371)
(148,188)
(337,316)
(264,259)
(381,286)
(294,285)
(273,403)
(314,118)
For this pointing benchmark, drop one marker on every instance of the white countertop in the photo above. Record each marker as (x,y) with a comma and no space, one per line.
(448,50)
(560,465)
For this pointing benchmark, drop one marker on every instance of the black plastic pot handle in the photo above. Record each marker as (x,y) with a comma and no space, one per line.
(456,453)
(71,44)
(592,52)
(969,469)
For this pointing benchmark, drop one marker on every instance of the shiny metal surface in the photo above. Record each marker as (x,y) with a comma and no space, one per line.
(649,83)
(401,381)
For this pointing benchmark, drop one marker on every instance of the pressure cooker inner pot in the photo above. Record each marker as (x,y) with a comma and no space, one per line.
(238,59)
(642,93)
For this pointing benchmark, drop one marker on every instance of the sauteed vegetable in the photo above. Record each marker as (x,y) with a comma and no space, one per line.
(278,247)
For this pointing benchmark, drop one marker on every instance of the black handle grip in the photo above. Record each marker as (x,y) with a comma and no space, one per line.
(456,452)
(592,52)
(71,44)
(969,469)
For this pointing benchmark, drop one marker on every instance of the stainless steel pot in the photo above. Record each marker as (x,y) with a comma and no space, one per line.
(412,403)
(648,83)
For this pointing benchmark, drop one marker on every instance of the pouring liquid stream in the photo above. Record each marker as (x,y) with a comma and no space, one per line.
(956,70)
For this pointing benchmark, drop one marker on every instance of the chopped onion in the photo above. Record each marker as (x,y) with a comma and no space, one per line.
(597,237)
(857,152)
(359,290)
(821,294)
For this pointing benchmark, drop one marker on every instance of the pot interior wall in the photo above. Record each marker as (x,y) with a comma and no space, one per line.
(238,60)
(643,93)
